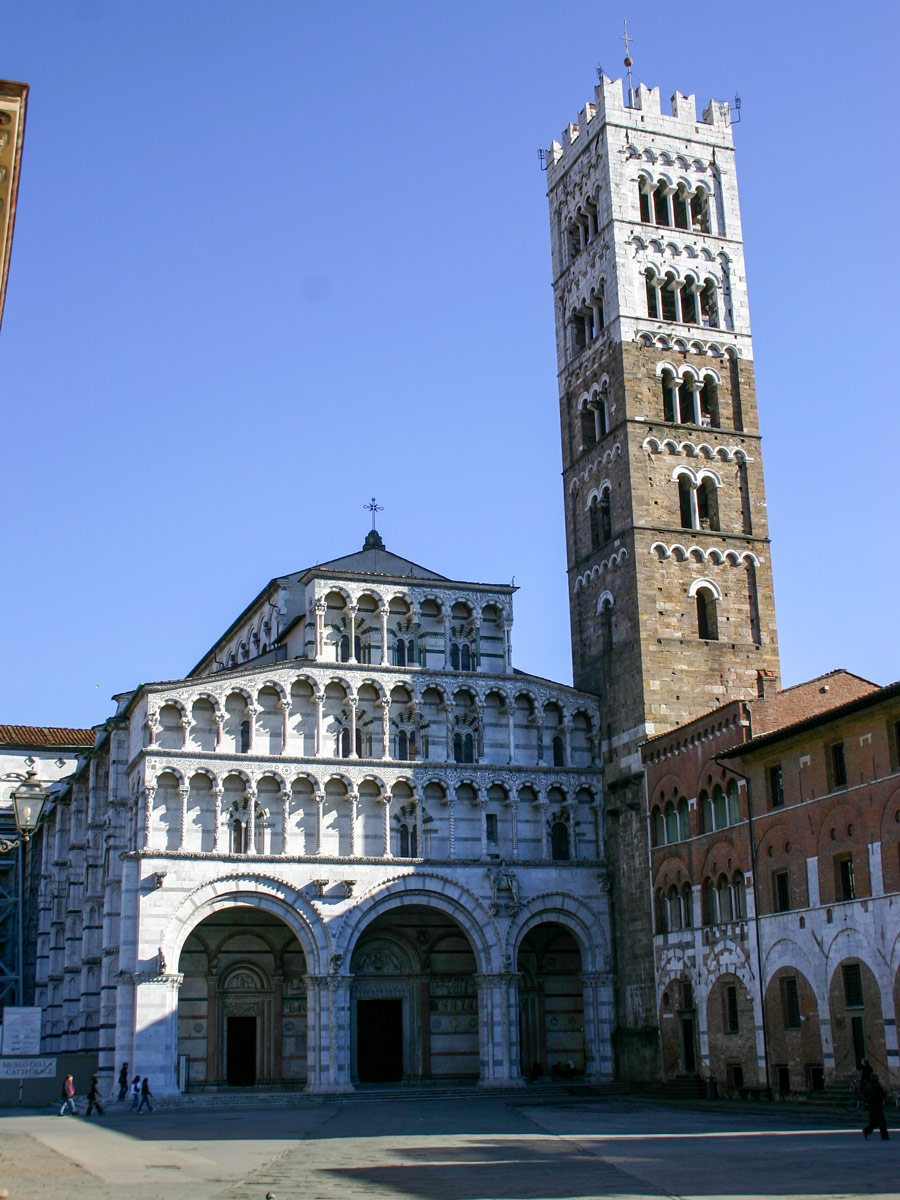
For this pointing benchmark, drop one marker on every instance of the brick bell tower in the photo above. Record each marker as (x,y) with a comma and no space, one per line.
(670,584)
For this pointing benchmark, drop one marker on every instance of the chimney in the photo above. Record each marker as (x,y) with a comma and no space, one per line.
(765,684)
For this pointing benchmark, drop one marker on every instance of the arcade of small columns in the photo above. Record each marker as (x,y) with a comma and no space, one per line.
(367,621)
(187,808)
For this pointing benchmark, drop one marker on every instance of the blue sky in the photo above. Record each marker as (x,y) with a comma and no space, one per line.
(271,260)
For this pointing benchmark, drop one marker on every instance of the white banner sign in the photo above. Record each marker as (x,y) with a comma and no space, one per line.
(21,1031)
(27,1068)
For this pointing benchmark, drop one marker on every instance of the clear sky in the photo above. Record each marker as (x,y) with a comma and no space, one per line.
(273,259)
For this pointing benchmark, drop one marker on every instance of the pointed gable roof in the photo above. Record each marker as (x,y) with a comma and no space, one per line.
(373,559)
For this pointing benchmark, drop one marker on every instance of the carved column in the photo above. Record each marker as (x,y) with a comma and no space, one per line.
(219,720)
(285,818)
(320,805)
(539,725)
(319,698)
(218,792)
(183,793)
(352,611)
(353,798)
(572,809)
(148,794)
(285,707)
(252,711)
(383,614)
(386,801)
(479,732)
(477,624)
(598,1025)
(385,728)
(447,638)
(567,745)
(320,629)
(542,806)
(482,803)
(514,824)
(420,828)
(352,702)
(451,821)
(511,721)
(251,821)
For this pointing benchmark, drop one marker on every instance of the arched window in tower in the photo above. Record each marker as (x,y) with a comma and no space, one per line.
(667,298)
(606,625)
(700,211)
(652,295)
(605,516)
(708,504)
(403,745)
(597,304)
(559,758)
(644,200)
(753,602)
(707,617)
(559,841)
(709,404)
(686,413)
(679,208)
(709,305)
(685,502)
(588,427)
(744,488)
(344,649)
(661,205)
(669,396)
(690,312)
(603,411)
(594,522)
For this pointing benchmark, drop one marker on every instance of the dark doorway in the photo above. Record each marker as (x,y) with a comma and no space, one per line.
(240,1051)
(379,1040)
(689,1057)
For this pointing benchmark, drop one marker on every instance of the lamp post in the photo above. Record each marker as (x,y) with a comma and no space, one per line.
(28,800)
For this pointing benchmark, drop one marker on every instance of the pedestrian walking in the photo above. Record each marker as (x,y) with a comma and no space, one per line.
(68,1096)
(123,1082)
(145,1094)
(93,1097)
(874,1096)
(865,1073)
(135,1093)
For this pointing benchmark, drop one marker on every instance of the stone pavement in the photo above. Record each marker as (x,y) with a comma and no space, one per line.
(478,1148)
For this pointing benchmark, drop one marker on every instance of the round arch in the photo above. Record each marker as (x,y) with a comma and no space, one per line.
(574,915)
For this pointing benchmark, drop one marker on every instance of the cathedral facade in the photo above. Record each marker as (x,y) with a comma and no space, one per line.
(352,845)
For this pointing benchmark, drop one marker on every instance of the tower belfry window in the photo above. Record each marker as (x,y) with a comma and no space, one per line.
(707,618)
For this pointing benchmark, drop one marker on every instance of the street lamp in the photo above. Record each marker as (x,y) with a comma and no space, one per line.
(28,799)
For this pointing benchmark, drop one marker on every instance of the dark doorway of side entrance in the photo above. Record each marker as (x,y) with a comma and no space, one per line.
(379,1040)
(240,1051)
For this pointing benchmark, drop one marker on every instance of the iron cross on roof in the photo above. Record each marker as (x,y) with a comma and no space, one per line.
(373,508)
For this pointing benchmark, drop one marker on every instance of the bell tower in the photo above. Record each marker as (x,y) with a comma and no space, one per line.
(670,586)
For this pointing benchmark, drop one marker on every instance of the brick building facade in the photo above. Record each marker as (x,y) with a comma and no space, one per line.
(774,827)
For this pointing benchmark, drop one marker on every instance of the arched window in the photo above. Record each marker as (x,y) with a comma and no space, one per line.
(667,298)
(603,413)
(709,305)
(710,907)
(709,403)
(685,502)
(605,516)
(700,211)
(344,649)
(457,747)
(739,896)
(594,522)
(644,201)
(358,650)
(402,745)
(669,393)
(400,653)
(344,740)
(661,205)
(588,427)
(690,313)
(454,656)
(753,603)
(674,905)
(404,841)
(662,912)
(465,657)
(558,751)
(734,804)
(238,838)
(707,620)
(687,906)
(686,412)
(411,652)
(468,749)
(679,209)
(559,841)
(708,504)
(606,625)
(671,824)
(658,828)
(684,820)
(707,824)
(245,737)
(259,832)
(723,889)
(359,743)
(652,295)
(719,809)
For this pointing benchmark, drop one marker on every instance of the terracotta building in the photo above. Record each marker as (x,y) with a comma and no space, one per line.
(774,827)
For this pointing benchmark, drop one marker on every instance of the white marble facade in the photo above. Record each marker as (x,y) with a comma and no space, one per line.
(354,762)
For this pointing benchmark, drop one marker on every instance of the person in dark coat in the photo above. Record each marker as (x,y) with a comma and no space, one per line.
(874,1096)
(135,1093)
(865,1074)
(123,1081)
(145,1094)
(93,1097)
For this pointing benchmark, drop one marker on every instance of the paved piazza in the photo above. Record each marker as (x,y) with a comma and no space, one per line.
(460,1149)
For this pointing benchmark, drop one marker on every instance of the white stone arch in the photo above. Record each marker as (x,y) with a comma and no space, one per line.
(728,959)
(661,550)
(276,686)
(561,908)
(271,773)
(163,768)
(709,473)
(732,557)
(850,942)
(306,776)
(788,953)
(430,891)
(245,778)
(210,698)
(251,890)
(172,702)
(605,597)
(210,775)
(237,690)
(302,677)
(750,559)
(705,583)
(651,445)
